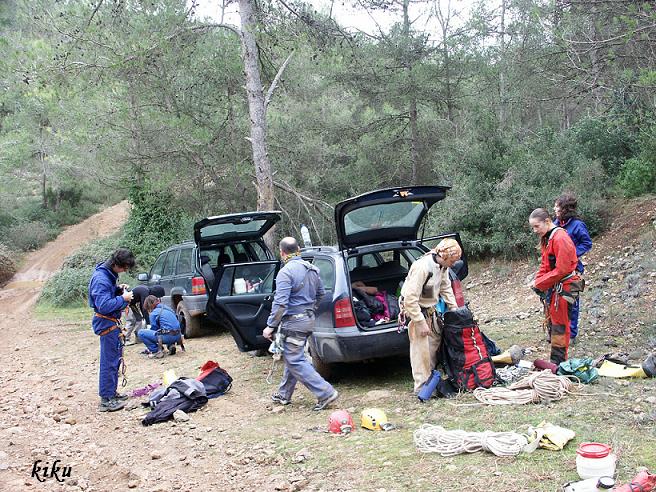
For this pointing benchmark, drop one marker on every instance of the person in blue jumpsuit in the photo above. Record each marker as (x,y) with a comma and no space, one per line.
(163,323)
(567,218)
(108,300)
(299,290)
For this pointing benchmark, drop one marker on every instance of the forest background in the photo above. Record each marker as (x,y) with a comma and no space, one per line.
(508,102)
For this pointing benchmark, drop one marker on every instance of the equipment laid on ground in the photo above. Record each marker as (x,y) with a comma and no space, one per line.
(340,422)
(582,369)
(214,379)
(436,439)
(464,354)
(429,386)
(511,356)
(548,436)
(594,460)
(642,482)
(375,419)
(590,485)
(534,388)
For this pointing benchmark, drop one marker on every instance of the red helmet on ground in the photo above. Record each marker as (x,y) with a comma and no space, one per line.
(340,422)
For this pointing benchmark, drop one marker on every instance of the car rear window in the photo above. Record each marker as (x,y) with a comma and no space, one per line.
(385,215)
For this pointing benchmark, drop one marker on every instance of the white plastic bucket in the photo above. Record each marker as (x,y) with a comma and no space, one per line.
(594,460)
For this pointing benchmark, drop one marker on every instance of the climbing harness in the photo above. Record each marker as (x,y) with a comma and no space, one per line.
(436,439)
(121,338)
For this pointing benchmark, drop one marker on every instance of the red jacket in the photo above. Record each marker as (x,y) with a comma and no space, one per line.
(562,250)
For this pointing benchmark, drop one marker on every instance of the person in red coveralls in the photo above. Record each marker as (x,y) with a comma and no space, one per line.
(555,277)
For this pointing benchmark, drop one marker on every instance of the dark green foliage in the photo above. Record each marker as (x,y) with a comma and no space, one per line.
(7,264)
(638,174)
(607,140)
(155,222)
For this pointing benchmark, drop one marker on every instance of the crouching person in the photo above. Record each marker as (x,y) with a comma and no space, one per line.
(164,328)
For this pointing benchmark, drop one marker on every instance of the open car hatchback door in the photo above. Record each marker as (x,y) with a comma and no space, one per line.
(394,214)
(247,226)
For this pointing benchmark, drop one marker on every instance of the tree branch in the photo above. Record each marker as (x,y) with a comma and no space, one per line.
(274,84)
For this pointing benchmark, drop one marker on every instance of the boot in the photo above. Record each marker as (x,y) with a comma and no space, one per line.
(110,405)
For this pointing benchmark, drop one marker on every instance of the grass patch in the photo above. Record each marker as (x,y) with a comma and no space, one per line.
(48,312)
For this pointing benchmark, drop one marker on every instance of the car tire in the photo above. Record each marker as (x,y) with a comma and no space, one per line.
(189,325)
(324,369)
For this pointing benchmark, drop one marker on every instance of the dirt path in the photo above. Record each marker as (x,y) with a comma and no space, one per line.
(18,297)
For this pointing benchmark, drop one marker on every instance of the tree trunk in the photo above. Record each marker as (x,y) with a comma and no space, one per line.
(42,162)
(256,109)
(412,109)
(502,63)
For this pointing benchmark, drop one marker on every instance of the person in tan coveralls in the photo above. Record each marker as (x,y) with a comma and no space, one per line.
(427,280)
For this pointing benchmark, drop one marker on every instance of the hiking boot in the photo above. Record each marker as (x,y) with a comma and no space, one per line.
(278,398)
(110,405)
(172,349)
(120,397)
(321,404)
(156,355)
(129,342)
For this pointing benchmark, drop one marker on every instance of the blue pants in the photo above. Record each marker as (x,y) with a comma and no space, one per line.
(149,338)
(574,319)
(297,367)
(111,351)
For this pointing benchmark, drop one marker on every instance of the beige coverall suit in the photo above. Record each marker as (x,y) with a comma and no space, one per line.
(417,293)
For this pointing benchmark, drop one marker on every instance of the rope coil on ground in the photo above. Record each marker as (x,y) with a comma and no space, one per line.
(435,439)
(534,388)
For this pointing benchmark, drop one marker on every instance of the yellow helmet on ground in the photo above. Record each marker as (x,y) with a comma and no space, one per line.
(375,419)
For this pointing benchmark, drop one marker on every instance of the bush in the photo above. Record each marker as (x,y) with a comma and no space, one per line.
(67,287)
(89,255)
(28,236)
(638,175)
(155,222)
(7,265)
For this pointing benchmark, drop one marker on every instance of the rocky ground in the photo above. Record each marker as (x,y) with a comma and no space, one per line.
(241,442)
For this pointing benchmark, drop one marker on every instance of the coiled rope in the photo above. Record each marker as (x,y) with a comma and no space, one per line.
(534,388)
(435,439)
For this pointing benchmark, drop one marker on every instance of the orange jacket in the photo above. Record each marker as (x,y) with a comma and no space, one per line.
(562,252)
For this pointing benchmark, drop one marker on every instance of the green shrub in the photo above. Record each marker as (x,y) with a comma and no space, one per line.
(155,222)
(28,236)
(89,255)
(7,265)
(637,177)
(67,287)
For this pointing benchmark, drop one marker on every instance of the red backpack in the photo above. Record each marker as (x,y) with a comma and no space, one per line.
(464,354)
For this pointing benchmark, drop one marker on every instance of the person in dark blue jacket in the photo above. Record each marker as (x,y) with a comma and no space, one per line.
(567,218)
(164,324)
(108,300)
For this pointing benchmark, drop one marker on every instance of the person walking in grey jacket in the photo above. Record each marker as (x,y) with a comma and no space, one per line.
(299,290)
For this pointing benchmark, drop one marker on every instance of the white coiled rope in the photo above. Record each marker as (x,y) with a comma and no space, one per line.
(534,388)
(435,439)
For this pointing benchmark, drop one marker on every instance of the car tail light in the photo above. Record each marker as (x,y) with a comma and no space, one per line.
(198,286)
(456,285)
(344,313)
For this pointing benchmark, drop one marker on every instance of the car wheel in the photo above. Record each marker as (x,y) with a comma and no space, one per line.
(324,369)
(189,325)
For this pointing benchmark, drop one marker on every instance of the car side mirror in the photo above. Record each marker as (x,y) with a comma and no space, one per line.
(142,277)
